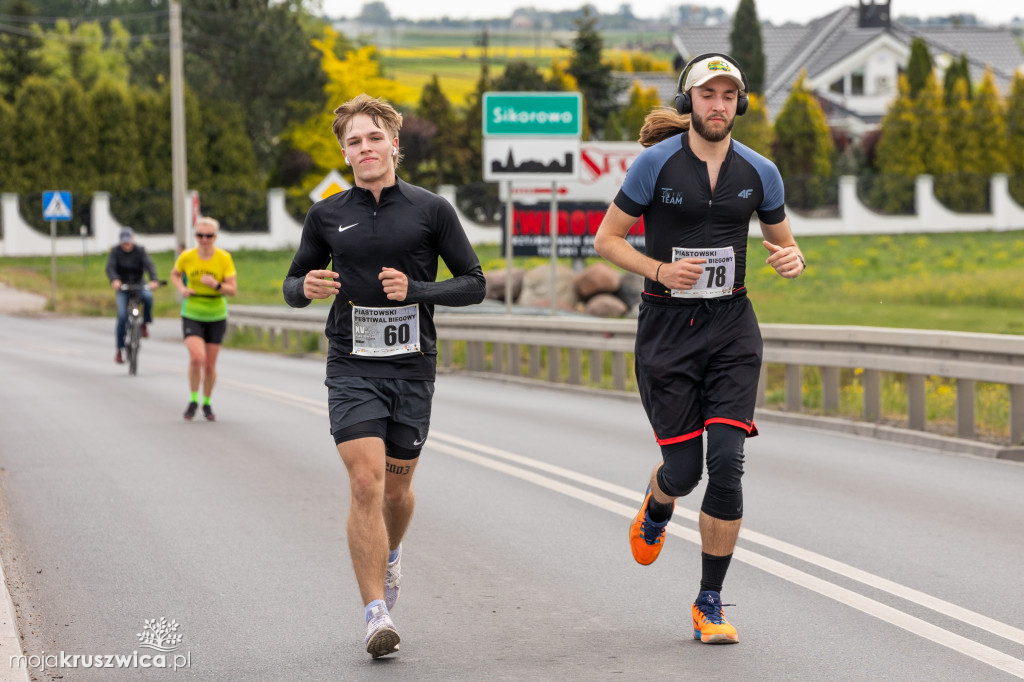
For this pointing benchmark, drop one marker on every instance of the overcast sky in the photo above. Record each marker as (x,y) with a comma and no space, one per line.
(777,11)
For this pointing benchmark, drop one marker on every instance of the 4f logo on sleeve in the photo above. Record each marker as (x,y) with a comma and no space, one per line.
(745,194)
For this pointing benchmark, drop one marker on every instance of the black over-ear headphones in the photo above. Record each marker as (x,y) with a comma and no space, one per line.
(684,104)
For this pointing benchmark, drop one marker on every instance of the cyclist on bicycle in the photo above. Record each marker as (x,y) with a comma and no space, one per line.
(128,263)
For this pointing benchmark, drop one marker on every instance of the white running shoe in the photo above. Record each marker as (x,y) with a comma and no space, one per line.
(381,637)
(393,581)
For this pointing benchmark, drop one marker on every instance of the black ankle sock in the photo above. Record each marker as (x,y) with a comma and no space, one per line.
(659,512)
(713,571)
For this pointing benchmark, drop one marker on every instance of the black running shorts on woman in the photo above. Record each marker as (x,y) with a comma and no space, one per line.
(210,332)
(697,363)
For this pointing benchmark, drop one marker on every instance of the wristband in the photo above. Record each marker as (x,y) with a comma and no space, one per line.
(657,273)
(218,286)
(802,263)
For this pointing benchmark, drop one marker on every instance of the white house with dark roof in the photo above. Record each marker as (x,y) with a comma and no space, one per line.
(854,56)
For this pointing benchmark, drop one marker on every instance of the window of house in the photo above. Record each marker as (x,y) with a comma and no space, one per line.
(837,87)
(857,82)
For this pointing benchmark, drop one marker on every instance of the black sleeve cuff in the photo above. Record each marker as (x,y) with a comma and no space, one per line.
(628,206)
(772,217)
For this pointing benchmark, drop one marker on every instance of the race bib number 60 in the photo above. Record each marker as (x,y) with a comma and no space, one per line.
(385,331)
(719,274)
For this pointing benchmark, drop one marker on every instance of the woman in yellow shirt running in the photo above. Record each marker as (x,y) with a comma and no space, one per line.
(204,276)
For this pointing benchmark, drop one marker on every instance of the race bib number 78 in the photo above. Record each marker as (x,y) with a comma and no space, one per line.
(385,331)
(719,274)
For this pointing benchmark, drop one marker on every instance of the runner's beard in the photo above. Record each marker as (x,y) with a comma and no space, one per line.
(702,129)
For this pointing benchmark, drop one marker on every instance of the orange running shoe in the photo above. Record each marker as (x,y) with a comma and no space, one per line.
(646,539)
(709,623)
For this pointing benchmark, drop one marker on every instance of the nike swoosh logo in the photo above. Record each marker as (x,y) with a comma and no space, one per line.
(417,443)
(349,227)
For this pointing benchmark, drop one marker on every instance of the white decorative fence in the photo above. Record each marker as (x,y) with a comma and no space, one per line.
(20,239)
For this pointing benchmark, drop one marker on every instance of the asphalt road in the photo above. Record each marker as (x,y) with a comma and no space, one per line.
(858,559)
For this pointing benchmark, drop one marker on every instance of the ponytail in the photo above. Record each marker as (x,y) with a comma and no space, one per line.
(661,124)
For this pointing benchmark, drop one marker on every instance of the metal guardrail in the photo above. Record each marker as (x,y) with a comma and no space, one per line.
(496,344)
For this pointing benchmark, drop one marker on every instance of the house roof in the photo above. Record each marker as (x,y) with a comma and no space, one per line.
(826,40)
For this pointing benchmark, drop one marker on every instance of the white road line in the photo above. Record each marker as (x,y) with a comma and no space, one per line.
(967,647)
(988,655)
(972,618)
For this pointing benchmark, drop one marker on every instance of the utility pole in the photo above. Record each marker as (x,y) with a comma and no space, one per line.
(179,168)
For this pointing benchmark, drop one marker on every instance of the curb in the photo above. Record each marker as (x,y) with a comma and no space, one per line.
(10,642)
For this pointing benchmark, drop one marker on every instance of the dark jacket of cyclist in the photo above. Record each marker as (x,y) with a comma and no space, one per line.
(128,263)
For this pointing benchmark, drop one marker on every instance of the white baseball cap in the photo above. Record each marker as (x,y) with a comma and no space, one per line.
(713,67)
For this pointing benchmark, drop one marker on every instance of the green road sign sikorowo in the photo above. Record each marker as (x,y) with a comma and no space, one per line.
(533,113)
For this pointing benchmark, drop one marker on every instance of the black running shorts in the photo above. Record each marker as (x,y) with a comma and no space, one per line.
(404,404)
(211,332)
(697,363)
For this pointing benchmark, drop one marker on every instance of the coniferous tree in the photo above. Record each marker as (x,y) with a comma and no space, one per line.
(1015,137)
(476,198)
(957,70)
(7,148)
(80,151)
(919,66)
(37,155)
(260,55)
(614,129)
(754,129)
(119,167)
(593,77)
(988,128)
(448,154)
(899,156)
(522,76)
(747,46)
(961,138)
(933,128)
(153,117)
(234,194)
(804,147)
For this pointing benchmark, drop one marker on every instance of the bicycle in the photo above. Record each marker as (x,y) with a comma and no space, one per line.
(134,322)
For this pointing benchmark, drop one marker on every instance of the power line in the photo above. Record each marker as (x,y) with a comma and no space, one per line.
(76,39)
(20,18)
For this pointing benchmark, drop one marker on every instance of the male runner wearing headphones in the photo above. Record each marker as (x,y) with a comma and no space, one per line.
(698,346)
(382,239)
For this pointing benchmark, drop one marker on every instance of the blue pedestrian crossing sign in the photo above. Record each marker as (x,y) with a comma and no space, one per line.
(57,205)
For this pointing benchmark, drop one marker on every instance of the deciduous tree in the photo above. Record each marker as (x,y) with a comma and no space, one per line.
(19,49)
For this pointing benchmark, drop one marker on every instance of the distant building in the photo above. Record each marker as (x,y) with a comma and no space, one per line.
(854,56)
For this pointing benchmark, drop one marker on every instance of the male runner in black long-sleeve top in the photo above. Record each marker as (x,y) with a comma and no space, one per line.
(382,239)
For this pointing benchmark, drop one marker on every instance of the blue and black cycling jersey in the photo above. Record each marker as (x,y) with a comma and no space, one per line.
(670,187)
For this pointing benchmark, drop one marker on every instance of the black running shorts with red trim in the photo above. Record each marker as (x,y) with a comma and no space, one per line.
(697,363)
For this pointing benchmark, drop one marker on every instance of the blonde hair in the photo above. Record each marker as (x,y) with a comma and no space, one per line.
(380,111)
(207,220)
(661,124)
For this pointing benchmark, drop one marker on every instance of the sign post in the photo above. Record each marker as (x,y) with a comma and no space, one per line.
(532,136)
(56,206)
